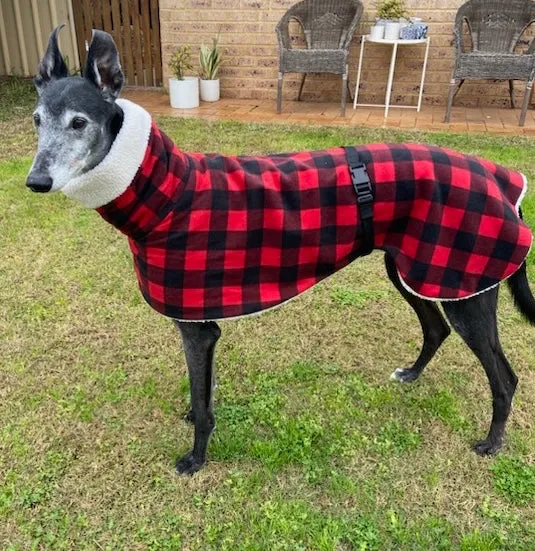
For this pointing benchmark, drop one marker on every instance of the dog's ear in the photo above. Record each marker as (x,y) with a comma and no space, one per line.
(52,66)
(103,68)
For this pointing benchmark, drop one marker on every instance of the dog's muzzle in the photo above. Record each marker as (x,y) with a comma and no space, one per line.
(39,183)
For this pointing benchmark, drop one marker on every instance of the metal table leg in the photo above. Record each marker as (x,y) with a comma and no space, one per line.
(390,79)
(423,74)
(359,72)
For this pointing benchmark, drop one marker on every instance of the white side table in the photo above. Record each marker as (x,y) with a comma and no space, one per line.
(394,44)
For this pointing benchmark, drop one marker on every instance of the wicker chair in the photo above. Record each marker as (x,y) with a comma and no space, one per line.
(495,28)
(328,26)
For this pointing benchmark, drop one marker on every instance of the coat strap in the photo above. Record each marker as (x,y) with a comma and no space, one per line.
(365,193)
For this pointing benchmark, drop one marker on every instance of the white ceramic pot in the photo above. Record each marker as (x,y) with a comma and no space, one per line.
(210,90)
(392,30)
(184,93)
(377,32)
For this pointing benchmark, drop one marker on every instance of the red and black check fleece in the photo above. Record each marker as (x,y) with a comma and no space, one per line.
(217,236)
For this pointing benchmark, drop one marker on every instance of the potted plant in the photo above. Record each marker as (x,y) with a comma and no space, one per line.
(210,61)
(391,12)
(184,90)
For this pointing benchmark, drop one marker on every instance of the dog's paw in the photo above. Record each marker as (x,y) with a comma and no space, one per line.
(404,375)
(487,447)
(189,417)
(189,464)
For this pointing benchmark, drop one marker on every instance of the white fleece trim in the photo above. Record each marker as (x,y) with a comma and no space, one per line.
(522,193)
(115,173)
(517,206)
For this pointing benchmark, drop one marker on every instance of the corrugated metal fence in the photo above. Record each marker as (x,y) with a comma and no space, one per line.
(24,29)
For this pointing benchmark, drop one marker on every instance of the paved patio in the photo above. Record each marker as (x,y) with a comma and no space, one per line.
(492,120)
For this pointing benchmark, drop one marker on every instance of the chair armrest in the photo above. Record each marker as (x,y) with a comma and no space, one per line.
(347,35)
(283,33)
(458,41)
(531,48)
(283,26)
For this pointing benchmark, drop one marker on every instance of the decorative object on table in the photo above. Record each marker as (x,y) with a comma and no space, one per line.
(328,26)
(496,29)
(394,14)
(421,30)
(377,32)
(184,90)
(210,61)
(392,29)
(415,29)
(410,32)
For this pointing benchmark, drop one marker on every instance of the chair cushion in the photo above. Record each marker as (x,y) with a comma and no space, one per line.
(483,65)
(314,61)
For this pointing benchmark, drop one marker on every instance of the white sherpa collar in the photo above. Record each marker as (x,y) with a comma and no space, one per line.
(115,173)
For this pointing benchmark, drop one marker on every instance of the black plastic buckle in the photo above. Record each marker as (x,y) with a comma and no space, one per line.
(359,174)
(362,184)
(364,190)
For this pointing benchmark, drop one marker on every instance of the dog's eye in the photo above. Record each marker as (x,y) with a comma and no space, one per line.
(37,119)
(78,123)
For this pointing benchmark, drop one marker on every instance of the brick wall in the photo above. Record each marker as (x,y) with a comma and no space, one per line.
(250,52)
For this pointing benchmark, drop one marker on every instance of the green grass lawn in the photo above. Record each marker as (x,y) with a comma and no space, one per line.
(314,449)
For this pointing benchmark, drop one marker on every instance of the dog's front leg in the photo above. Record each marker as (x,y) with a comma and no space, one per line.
(199,346)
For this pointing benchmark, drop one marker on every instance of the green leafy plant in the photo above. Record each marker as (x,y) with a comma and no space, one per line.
(515,478)
(180,62)
(210,60)
(391,9)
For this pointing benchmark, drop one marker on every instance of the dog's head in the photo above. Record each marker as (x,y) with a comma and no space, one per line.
(76,118)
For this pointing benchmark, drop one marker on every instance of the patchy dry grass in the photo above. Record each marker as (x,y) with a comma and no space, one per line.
(314,449)
(17,99)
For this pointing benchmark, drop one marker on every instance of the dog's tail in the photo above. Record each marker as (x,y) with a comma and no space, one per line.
(522,295)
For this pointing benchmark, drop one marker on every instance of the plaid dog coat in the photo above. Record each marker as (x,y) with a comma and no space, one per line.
(218,237)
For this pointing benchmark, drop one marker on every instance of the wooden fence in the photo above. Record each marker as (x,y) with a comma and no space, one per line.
(135,27)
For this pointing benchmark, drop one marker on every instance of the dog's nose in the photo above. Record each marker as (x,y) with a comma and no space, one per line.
(40,183)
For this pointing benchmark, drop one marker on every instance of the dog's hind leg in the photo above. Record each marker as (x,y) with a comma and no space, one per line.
(434,326)
(199,340)
(475,320)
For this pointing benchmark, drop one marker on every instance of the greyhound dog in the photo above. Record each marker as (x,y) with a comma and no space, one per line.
(108,154)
